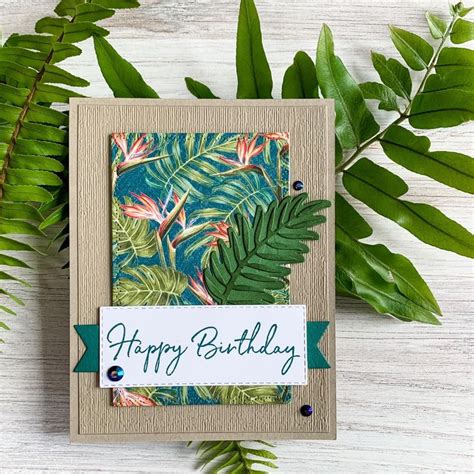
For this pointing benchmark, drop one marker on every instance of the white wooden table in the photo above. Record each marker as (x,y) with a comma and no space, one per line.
(405,393)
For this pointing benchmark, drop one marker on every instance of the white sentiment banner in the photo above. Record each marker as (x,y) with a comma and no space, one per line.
(202,345)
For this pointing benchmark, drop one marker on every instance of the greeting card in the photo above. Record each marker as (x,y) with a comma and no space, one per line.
(202,270)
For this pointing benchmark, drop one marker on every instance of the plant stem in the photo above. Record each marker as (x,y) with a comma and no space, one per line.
(272,185)
(161,250)
(365,145)
(279,186)
(406,113)
(132,165)
(242,456)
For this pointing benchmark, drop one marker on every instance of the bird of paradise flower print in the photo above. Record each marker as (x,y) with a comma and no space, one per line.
(174,196)
(219,233)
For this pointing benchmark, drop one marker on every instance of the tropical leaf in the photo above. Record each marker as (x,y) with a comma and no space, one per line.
(192,162)
(447,98)
(380,92)
(300,80)
(382,190)
(235,196)
(393,74)
(387,281)
(463,31)
(437,25)
(354,122)
(121,76)
(463,80)
(416,51)
(198,89)
(256,258)
(459,60)
(443,108)
(33,134)
(413,152)
(443,99)
(131,238)
(149,286)
(253,72)
(234,457)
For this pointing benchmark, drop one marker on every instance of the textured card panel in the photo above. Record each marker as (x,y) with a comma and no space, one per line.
(310,125)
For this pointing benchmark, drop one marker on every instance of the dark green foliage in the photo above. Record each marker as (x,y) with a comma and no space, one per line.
(33,134)
(413,152)
(443,99)
(253,72)
(122,78)
(354,122)
(372,270)
(416,51)
(255,259)
(300,80)
(198,89)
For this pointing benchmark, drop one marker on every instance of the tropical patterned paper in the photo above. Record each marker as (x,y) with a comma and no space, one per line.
(174,196)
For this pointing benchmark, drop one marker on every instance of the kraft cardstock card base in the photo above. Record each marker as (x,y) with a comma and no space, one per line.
(202,270)
(174,196)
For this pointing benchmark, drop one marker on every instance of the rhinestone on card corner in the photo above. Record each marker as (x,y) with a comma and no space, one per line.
(115,373)
(306,410)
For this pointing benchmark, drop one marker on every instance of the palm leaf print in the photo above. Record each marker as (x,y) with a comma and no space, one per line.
(241,196)
(149,286)
(131,237)
(193,162)
(246,395)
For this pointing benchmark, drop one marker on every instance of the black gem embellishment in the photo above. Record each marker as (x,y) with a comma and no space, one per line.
(115,373)
(306,410)
(298,185)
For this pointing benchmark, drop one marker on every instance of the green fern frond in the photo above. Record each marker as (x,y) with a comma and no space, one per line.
(234,457)
(33,134)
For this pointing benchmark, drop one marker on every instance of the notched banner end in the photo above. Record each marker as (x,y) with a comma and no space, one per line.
(314,333)
(89,334)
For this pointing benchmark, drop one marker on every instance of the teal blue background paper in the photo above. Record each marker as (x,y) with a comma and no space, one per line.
(208,177)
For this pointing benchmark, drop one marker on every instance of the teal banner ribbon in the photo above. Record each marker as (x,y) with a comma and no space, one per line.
(314,333)
(89,334)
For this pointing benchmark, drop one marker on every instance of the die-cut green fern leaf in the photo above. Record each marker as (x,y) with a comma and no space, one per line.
(255,259)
